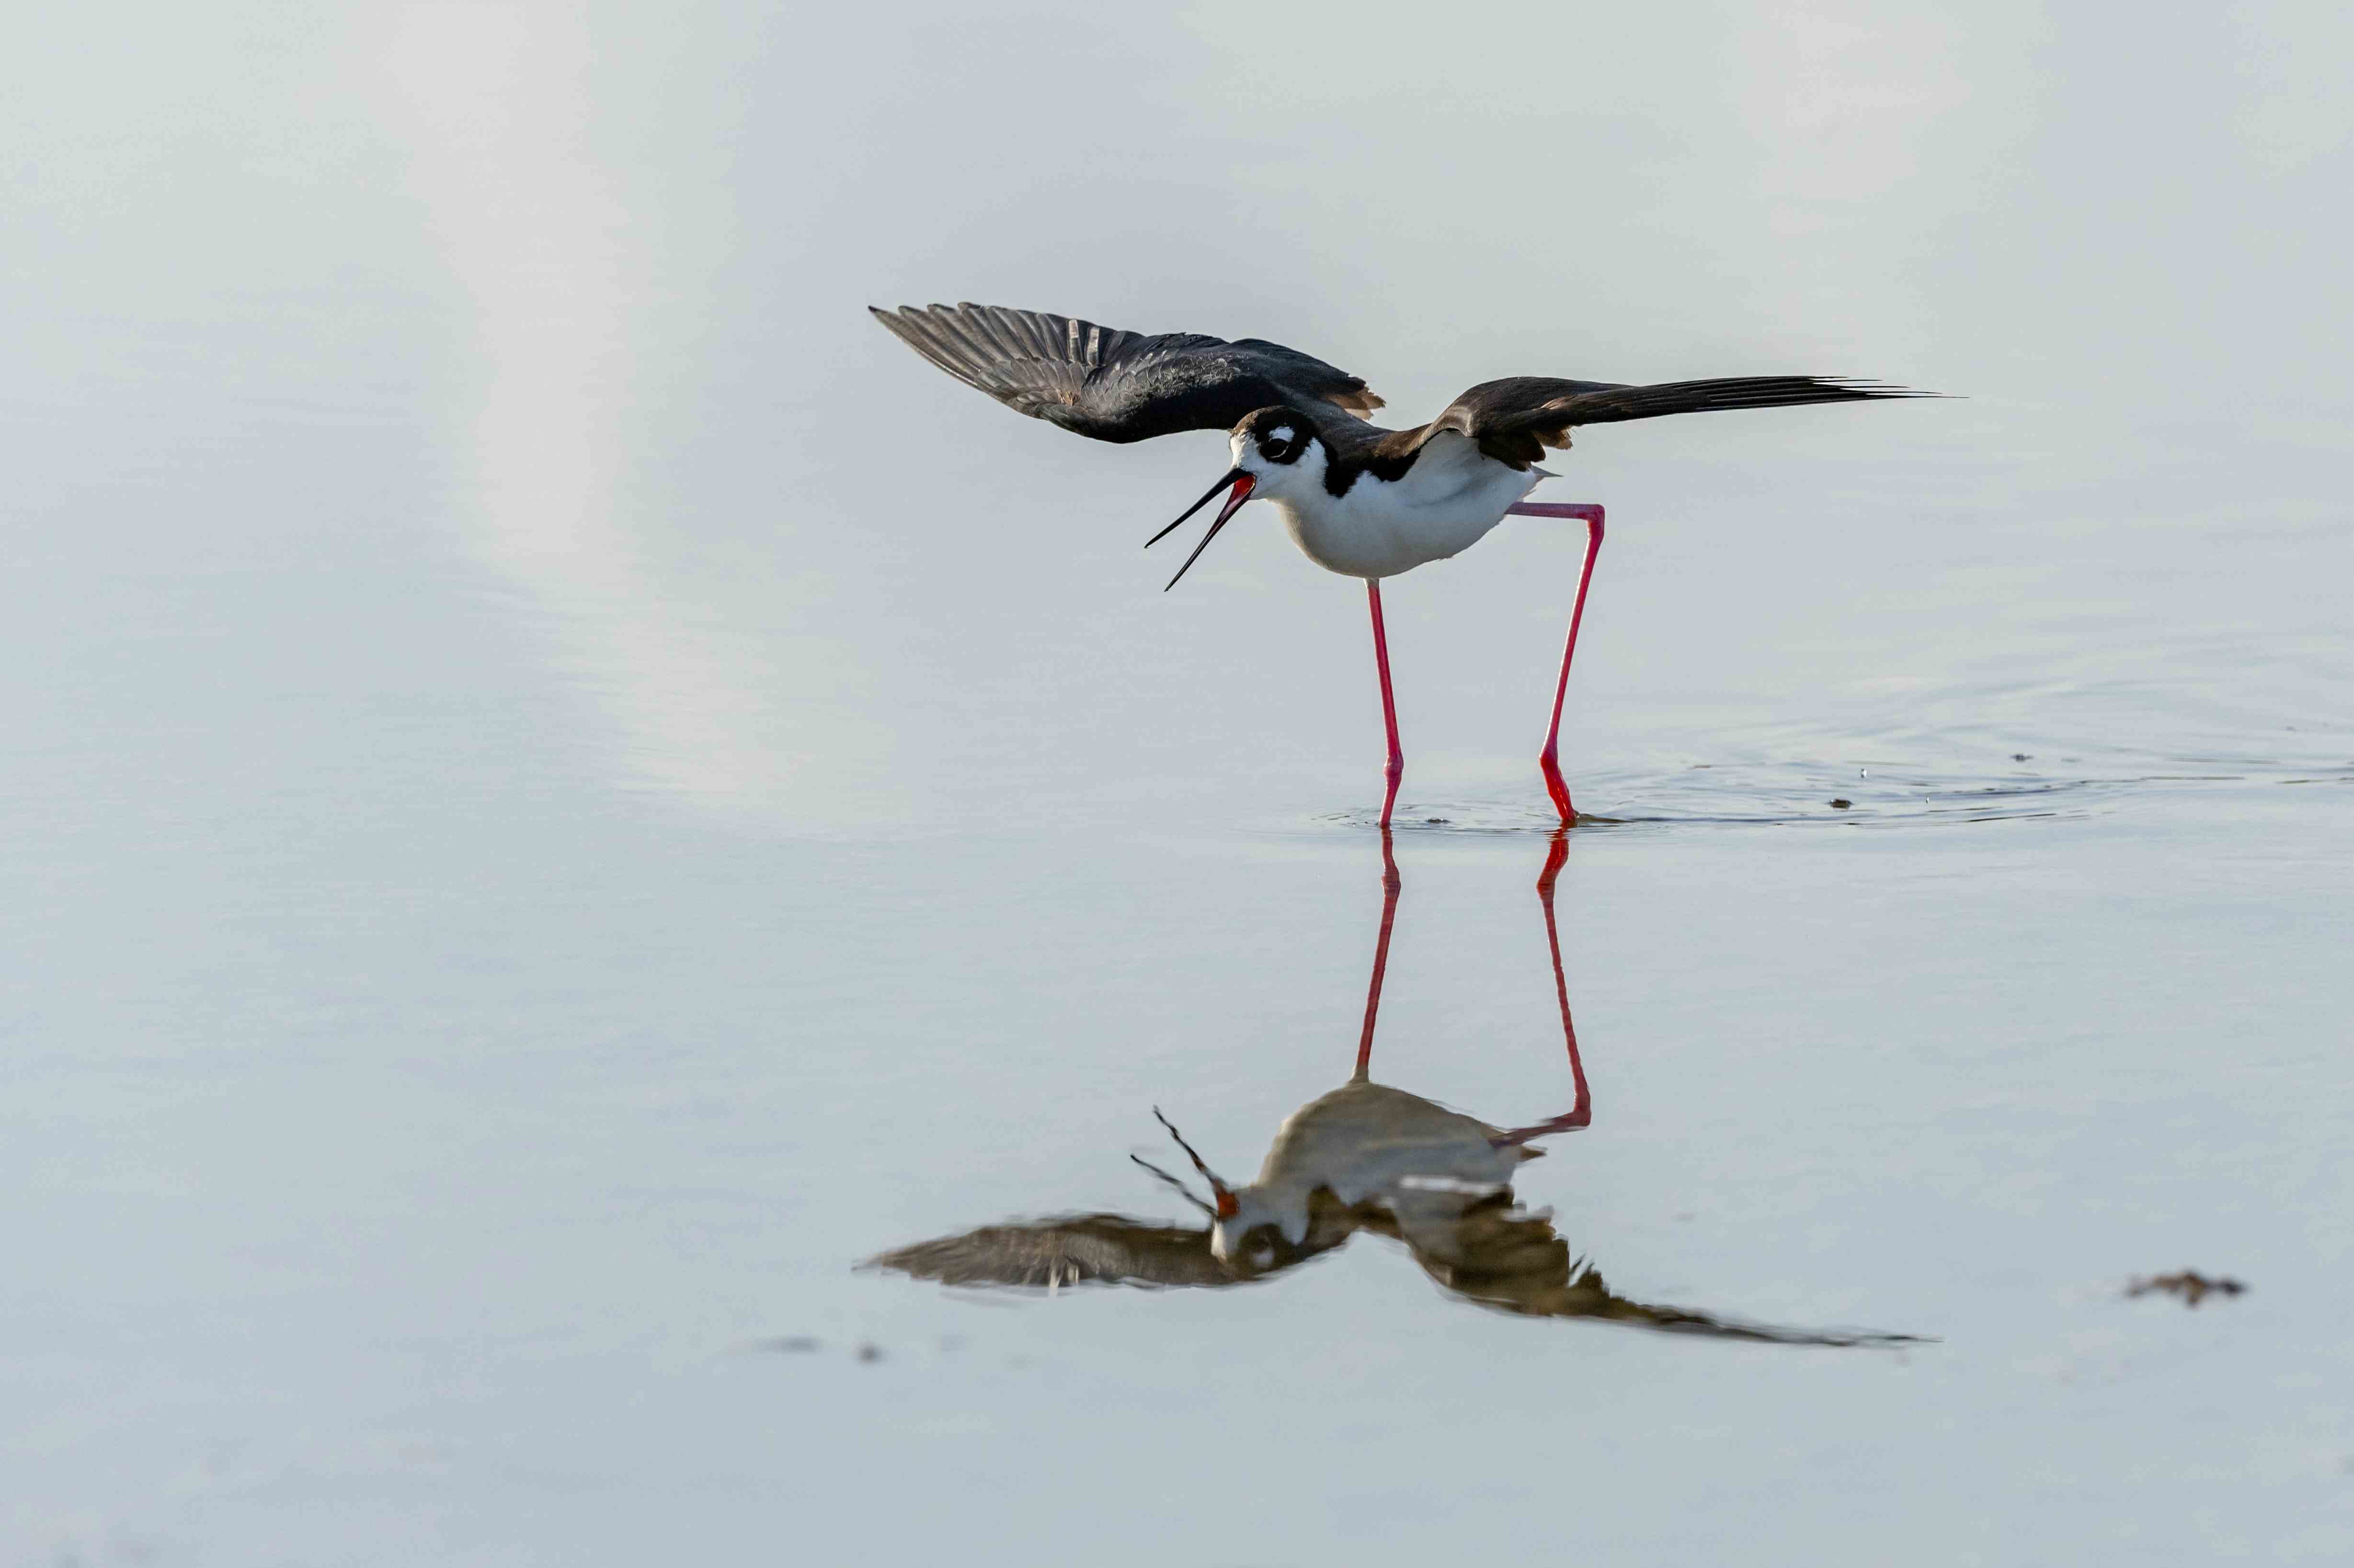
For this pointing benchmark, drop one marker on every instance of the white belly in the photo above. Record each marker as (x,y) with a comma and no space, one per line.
(1444,504)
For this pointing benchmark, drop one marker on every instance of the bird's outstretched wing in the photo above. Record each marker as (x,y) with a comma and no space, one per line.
(1075,1249)
(1119,386)
(1515,420)
(1504,1257)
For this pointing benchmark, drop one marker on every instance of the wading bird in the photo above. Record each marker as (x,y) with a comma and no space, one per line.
(1358,499)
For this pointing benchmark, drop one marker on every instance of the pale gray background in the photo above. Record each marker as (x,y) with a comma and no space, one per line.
(566,788)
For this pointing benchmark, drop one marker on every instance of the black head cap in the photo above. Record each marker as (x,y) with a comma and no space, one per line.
(1277,435)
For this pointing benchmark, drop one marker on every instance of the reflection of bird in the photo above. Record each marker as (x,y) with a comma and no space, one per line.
(1365,1156)
(1358,499)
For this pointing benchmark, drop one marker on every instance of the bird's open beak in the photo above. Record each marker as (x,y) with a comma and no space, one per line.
(1227,1205)
(1208,495)
(1243,485)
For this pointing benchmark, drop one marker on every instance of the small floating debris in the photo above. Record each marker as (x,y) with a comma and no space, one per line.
(2190,1284)
(870,1352)
(1840,805)
(2020,756)
(1435,822)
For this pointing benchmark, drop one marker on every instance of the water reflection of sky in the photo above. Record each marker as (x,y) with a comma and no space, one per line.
(548,828)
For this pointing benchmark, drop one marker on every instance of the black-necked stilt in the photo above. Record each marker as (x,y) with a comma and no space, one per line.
(1358,499)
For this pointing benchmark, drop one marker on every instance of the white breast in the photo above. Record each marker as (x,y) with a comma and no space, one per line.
(1363,1139)
(1445,503)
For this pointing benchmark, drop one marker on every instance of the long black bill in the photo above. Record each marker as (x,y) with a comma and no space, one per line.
(1209,495)
(1182,1191)
(1244,485)
(1227,1205)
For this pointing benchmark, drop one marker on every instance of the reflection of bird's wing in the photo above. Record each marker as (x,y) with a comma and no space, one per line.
(1071,1249)
(1586,1296)
(1513,1261)
(1515,420)
(1120,385)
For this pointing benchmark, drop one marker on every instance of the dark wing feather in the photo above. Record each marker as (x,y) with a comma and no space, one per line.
(1516,419)
(1117,386)
(1506,1259)
(1109,1249)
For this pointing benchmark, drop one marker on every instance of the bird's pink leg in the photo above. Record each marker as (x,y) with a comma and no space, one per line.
(1580,1114)
(1550,759)
(1395,770)
(1390,886)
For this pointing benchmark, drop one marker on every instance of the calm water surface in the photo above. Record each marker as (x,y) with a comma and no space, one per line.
(544,838)
(428,1152)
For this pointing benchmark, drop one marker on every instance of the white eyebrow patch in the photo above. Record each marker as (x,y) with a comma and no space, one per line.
(1282,434)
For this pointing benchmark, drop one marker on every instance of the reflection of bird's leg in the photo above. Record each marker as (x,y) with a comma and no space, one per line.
(1390,886)
(1582,1113)
(1395,768)
(1549,760)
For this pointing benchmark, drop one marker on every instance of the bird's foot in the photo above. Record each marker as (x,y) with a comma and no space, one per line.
(1557,787)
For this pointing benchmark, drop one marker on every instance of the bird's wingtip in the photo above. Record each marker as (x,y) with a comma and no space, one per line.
(1872,387)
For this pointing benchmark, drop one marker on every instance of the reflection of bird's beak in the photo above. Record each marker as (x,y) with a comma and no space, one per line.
(1244,485)
(1227,1207)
